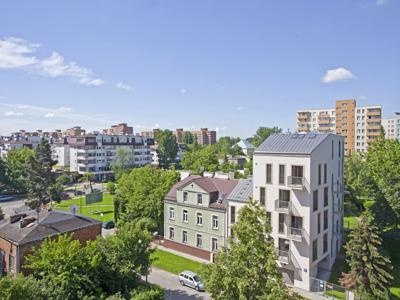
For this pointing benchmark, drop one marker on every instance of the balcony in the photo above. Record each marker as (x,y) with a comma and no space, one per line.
(296,182)
(302,117)
(374,112)
(295,233)
(282,205)
(286,257)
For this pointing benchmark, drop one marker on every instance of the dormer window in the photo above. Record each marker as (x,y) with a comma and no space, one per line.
(185,195)
(199,199)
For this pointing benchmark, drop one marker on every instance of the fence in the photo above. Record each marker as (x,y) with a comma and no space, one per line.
(330,290)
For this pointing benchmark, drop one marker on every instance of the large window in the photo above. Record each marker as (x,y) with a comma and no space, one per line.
(269,173)
(268,216)
(184,236)
(326,219)
(172,213)
(171,233)
(325,242)
(284,195)
(215,222)
(319,224)
(315,200)
(214,244)
(233,214)
(199,240)
(319,174)
(325,173)
(185,216)
(326,196)
(199,219)
(315,249)
(281,174)
(262,196)
(185,196)
(199,199)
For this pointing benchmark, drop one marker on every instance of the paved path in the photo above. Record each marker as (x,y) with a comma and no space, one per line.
(8,207)
(172,288)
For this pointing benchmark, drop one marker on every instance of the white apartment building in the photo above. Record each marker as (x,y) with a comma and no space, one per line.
(322,120)
(392,127)
(60,153)
(94,153)
(8,144)
(298,178)
(367,126)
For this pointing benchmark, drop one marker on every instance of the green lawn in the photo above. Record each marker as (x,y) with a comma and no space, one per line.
(336,294)
(350,222)
(173,263)
(93,210)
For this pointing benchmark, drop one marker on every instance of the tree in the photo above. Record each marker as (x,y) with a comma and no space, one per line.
(187,138)
(369,267)
(111,188)
(200,159)
(88,177)
(167,148)
(4,180)
(63,179)
(19,287)
(17,162)
(1,214)
(224,146)
(247,268)
(262,134)
(40,177)
(141,194)
(123,162)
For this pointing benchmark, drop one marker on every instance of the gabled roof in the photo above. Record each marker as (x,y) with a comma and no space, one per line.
(51,223)
(297,143)
(242,191)
(245,144)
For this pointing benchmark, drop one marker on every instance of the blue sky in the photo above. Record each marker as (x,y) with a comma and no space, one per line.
(230,65)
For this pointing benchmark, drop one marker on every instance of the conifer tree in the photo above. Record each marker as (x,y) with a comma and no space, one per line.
(369,267)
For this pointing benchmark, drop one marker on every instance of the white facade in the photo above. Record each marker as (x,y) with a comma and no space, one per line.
(392,127)
(60,153)
(312,122)
(299,224)
(362,124)
(30,142)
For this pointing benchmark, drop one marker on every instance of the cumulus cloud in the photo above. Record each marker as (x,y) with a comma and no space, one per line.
(17,53)
(339,74)
(49,115)
(124,86)
(183,91)
(239,108)
(12,113)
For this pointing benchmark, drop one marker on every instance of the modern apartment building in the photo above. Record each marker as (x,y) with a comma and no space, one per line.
(359,125)
(152,134)
(60,153)
(195,215)
(119,129)
(75,131)
(95,152)
(391,127)
(10,143)
(298,178)
(206,137)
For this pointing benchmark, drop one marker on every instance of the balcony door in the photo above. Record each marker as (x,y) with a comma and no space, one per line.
(297,222)
(297,174)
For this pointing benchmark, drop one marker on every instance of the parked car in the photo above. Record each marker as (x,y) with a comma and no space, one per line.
(192,280)
(108,224)
(6,198)
(79,193)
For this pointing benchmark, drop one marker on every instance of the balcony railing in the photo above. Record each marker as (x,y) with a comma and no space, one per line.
(287,257)
(296,182)
(282,205)
(295,233)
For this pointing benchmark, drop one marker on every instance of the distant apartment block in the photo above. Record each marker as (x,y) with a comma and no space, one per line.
(359,125)
(206,137)
(178,134)
(60,153)
(75,131)
(94,153)
(391,127)
(11,143)
(152,134)
(119,129)
(298,178)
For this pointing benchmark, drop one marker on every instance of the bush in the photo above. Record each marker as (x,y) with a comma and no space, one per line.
(111,188)
(20,288)
(148,292)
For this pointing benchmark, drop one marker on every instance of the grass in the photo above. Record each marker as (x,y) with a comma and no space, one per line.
(173,263)
(336,294)
(93,210)
(350,222)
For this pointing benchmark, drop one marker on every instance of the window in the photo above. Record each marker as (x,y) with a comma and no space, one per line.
(199,240)
(325,219)
(184,237)
(11,263)
(319,174)
(268,217)
(199,199)
(233,214)
(185,216)
(171,233)
(315,249)
(319,223)
(171,213)
(199,219)
(215,222)
(262,196)
(284,195)
(339,150)
(325,242)
(214,244)
(185,195)
(326,196)
(281,223)
(269,173)
(315,200)
(325,173)
(281,174)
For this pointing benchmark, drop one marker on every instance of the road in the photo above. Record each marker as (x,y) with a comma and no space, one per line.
(9,206)
(172,288)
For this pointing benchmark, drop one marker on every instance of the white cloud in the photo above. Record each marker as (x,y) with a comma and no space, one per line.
(183,91)
(219,129)
(381,2)
(124,86)
(239,108)
(64,109)
(12,113)
(338,74)
(16,53)
(49,115)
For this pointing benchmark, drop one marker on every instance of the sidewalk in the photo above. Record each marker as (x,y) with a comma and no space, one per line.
(310,295)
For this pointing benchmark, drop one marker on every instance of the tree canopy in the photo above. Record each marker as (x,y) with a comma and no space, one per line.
(167,148)
(262,133)
(17,166)
(200,159)
(123,162)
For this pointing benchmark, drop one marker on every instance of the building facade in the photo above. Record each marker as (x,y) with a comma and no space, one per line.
(119,129)
(391,126)
(359,125)
(298,178)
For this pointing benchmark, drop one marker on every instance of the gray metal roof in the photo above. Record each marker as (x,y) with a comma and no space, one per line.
(242,191)
(297,143)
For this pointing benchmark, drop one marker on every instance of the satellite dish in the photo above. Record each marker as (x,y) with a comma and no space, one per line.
(74,208)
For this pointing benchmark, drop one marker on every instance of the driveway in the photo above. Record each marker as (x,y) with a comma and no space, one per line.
(172,288)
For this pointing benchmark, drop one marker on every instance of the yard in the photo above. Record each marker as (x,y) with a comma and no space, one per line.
(173,263)
(94,210)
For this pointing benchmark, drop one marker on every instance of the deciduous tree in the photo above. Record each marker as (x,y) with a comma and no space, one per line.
(17,162)
(167,148)
(123,162)
(262,134)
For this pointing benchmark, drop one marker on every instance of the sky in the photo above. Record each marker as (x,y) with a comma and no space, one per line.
(227,65)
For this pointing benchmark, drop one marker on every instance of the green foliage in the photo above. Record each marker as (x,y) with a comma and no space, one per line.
(224,147)
(200,159)
(141,194)
(148,292)
(247,268)
(262,134)
(187,138)
(4,180)
(17,162)
(15,288)
(167,148)
(63,179)
(56,191)
(173,263)
(89,178)
(123,162)
(1,214)
(369,267)
(111,187)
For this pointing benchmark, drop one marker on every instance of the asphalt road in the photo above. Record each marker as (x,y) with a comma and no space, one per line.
(172,288)
(8,206)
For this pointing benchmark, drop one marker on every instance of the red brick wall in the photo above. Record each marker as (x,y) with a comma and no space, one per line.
(7,249)
(206,255)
